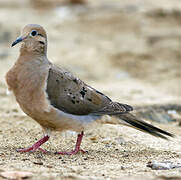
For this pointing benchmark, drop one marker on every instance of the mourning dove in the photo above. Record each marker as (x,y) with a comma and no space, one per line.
(58,100)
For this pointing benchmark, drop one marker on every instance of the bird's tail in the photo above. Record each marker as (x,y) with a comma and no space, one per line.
(132,121)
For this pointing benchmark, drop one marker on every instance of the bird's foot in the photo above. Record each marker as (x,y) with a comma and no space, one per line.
(77,146)
(36,146)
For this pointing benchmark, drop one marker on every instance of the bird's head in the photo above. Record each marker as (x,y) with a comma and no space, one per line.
(34,39)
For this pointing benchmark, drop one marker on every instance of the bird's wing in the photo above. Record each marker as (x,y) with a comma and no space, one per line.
(71,95)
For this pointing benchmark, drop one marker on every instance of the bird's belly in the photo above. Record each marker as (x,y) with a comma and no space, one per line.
(66,121)
(59,120)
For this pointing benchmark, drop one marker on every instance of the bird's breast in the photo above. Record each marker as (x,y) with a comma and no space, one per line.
(28,83)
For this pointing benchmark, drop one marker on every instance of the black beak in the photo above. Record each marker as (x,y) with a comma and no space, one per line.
(18,40)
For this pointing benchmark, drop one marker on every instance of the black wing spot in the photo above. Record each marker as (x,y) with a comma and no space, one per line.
(82,93)
(77,101)
(89,99)
(57,80)
(83,89)
(73,101)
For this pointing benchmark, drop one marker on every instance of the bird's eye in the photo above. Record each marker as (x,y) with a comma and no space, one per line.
(34,33)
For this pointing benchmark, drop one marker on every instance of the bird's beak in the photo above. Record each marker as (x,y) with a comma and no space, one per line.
(18,40)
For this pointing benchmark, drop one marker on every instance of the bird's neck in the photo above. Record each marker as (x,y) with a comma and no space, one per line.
(32,58)
(33,50)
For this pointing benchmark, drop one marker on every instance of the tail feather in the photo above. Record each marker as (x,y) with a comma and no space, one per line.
(133,121)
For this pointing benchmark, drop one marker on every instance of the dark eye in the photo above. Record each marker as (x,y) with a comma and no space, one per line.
(34,33)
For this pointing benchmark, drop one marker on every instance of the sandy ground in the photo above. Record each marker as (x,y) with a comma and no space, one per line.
(130,51)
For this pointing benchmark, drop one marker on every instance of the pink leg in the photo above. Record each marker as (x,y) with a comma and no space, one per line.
(77,146)
(36,145)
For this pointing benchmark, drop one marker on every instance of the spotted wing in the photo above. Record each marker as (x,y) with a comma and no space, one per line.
(71,95)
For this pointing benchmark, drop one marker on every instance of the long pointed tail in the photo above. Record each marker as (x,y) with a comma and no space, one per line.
(134,122)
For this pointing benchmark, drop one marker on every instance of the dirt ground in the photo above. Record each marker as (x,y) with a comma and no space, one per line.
(130,50)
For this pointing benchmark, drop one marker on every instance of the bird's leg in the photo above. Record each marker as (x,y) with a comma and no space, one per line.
(36,146)
(77,146)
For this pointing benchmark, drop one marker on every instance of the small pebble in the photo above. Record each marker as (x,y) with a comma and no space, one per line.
(38,163)
(164,165)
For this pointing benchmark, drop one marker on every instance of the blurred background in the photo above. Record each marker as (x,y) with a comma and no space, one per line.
(129,50)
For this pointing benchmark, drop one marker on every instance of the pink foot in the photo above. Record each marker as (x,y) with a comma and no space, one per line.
(77,146)
(36,146)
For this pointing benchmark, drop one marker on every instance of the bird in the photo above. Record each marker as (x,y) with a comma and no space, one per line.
(58,100)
